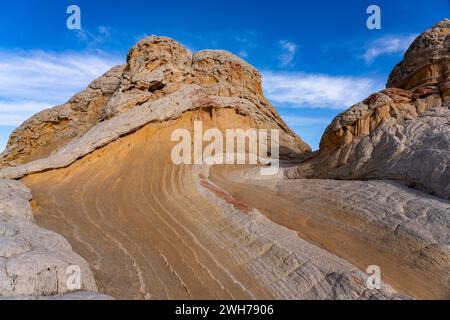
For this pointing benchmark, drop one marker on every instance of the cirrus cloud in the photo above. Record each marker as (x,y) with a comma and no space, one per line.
(303,90)
(388,45)
(289,49)
(34,80)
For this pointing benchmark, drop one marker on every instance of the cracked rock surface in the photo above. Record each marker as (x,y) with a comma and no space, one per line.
(33,260)
(401,133)
(102,177)
(157,69)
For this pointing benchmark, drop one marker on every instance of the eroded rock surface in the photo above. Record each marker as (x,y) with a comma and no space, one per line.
(162,231)
(33,260)
(47,130)
(399,133)
(158,74)
(151,229)
(403,231)
(426,62)
(160,83)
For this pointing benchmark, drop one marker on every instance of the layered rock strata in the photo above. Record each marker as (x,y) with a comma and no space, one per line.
(101,174)
(159,72)
(34,261)
(401,133)
(154,230)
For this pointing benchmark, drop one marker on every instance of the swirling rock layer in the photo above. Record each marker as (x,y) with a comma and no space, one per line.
(150,229)
(101,174)
(383,223)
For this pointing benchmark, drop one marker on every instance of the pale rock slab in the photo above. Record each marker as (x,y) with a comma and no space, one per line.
(33,261)
(157,71)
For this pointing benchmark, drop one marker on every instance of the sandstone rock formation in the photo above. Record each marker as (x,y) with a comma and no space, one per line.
(46,131)
(157,67)
(160,231)
(383,223)
(426,62)
(33,261)
(100,171)
(401,133)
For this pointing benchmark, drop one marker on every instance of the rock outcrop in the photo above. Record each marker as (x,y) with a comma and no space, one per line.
(401,133)
(403,231)
(156,230)
(34,261)
(101,174)
(426,63)
(157,67)
(47,130)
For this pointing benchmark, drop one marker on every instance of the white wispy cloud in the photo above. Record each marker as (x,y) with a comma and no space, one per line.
(289,49)
(301,90)
(302,121)
(33,80)
(247,42)
(243,53)
(101,35)
(388,45)
(13,113)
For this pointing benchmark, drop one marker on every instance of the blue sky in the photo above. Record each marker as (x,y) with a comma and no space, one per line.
(317,58)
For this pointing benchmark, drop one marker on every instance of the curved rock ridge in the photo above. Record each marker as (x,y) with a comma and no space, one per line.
(397,133)
(33,260)
(156,68)
(403,231)
(151,229)
(44,132)
(154,230)
(172,106)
